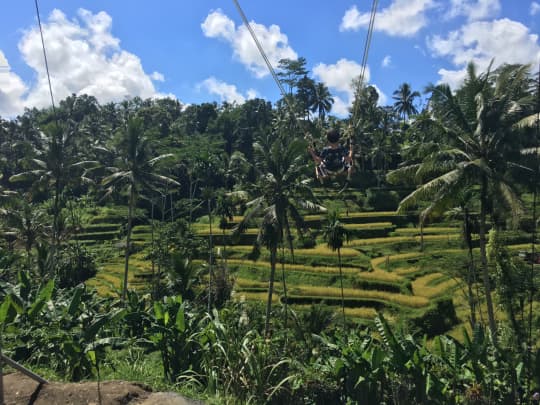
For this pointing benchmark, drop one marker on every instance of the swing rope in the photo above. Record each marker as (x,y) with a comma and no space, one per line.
(278,82)
(46,61)
(260,48)
(365,55)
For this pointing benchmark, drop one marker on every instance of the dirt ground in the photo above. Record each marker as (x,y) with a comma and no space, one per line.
(21,390)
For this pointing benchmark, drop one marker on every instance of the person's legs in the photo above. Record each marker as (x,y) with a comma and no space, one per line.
(322,172)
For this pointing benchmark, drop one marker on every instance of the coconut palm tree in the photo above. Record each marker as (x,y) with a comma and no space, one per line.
(335,234)
(27,223)
(479,122)
(54,167)
(135,170)
(405,99)
(322,101)
(225,210)
(281,193)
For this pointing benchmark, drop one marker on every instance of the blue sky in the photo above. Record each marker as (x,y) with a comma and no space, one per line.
(199,51)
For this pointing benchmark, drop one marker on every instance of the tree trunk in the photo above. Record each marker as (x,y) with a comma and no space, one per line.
(128,240)
(483,258)
(273,255)
(471,275)
(341,282)
(210,258)
(421,235)
(224,256)
(284,282)
(153,256)
(1,375)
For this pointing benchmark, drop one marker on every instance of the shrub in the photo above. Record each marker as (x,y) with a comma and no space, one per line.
(438,319)
(382,200)
(75,265)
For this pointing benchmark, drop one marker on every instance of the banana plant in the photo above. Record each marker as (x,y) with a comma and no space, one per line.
(172,333)
(65,330)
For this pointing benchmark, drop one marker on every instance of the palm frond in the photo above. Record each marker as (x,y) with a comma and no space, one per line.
(40,163)
(115,177)
(530,121)
(26,176)
(427,191)
(157,159)
(512,200)
(530,151)
(163,179)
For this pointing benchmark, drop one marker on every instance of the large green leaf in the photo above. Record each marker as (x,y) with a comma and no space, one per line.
(75,301)
(43,297)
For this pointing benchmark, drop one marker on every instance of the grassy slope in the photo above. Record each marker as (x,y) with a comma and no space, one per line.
(385,272)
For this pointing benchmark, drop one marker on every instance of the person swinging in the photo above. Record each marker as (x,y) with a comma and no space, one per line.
(334,160)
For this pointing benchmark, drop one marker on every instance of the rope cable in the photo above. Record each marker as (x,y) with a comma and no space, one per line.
(365,54)
(368,39)
(45,58)
(260,48)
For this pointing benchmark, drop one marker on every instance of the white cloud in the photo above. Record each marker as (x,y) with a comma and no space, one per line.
(341,107)
(535,8)
(251,94)
(272,40)
(3,61)
(158,77)
(475,9)
(503,40)
(226,92)
(84,57)
(339,77)
(387,61)
(383,99)
(402,18)
(12,88)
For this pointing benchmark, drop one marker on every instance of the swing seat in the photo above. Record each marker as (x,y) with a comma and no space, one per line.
(324,172)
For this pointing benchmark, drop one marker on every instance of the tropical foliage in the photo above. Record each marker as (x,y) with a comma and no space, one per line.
(148,236)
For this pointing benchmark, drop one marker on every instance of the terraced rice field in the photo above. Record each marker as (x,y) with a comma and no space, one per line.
(383,267)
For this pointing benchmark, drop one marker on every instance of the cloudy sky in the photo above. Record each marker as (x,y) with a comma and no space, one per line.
(199,50)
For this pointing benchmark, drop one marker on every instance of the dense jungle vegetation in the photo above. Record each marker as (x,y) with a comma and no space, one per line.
(191,248)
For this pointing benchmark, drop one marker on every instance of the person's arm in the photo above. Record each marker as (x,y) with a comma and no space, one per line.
(316,158)
(349,156)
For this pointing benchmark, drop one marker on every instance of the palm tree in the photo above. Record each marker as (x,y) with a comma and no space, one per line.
(281,193)
(322,101)
(54,168)
(135,171)
(27,223)
(405,98)
(224,209)
(335,234)
(479,121)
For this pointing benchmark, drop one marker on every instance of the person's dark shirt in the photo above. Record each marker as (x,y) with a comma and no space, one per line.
(333,157)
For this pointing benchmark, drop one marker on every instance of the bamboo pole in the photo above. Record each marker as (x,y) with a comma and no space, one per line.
(22,369)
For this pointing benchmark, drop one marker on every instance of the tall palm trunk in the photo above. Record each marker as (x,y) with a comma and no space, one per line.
(1,375)
(128,240)
(421,235)
(483,258)
(471,274)
(153,256)
(224,256)
(284,282)
(273,256)
(341,282)
(56,220)
(210,258)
